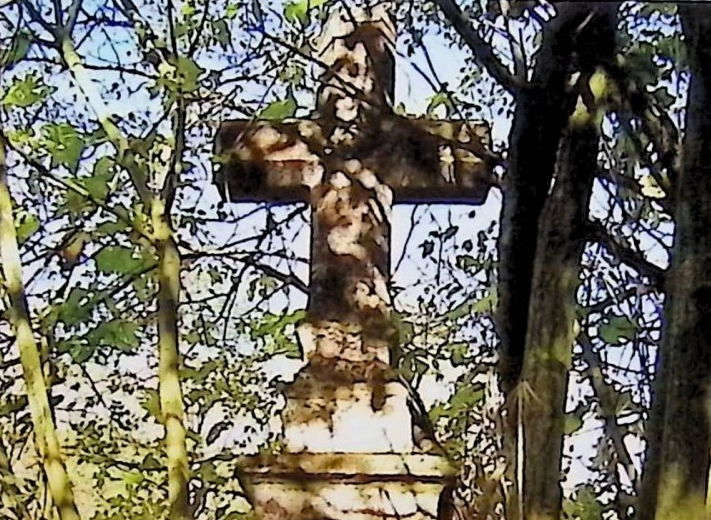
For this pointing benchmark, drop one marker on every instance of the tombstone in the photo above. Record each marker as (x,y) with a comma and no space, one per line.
(348,430)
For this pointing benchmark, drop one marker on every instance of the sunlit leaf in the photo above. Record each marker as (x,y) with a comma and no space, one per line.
(64,144)
(26,92)
(75,308)
(617,330)
(298,11)
(279,110)
(188,73)
(98,184)
(118,333)
(119,259)
(27,224)
(571,424)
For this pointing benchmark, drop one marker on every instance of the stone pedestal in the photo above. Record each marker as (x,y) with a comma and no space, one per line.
(347,486)
(349,450)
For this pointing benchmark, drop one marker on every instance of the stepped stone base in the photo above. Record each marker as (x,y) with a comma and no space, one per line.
(346,486)
(349,447)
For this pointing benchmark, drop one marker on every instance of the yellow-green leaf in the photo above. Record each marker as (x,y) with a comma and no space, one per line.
(298,11)
(25,92)
(279,110)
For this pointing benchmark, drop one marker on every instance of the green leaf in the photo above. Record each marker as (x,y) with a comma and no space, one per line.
(271,324)
(298,11)
(571,424)
(110,228)
(152,403)
(468,262)
(222,32)
(27,225)
(133,477)
(75,308)
(188,73)
(25,92)
(438,100)
(449,233)
(217,430)
(150,463)
(118,333)
(79,351)
(284,347)
(232,10)
(98,184)
(279,110)
(617,330)
(427,248)
(63,143)
(20,47)
(466,397)
(118,259)
(460,352)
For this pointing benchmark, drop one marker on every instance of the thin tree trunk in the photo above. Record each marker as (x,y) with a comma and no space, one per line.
(171,398)
(170,393)
(678,487)
(538,121)
(552,326)
(45,435)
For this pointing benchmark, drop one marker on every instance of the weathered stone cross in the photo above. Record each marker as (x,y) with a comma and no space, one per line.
(351,163)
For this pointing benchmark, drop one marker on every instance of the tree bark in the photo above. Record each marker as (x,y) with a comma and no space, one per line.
(171,399)
(679,455)
(541,242)
(552,327)
(47,443)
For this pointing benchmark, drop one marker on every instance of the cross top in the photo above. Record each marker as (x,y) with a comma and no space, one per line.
(351,162)
(358,50)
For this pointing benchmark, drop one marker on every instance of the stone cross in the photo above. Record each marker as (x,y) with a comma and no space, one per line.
(351,163)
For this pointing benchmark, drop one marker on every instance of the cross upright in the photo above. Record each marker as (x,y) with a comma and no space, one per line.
(351,162)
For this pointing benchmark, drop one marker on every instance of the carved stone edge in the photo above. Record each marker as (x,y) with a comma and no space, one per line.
(353,467)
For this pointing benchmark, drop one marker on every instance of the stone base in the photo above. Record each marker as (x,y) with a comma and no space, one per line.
(343,420)
(346,486)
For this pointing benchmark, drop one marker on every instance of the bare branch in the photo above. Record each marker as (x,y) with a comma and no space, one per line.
(596,232)
(72,16)
(482,50)
(36,16)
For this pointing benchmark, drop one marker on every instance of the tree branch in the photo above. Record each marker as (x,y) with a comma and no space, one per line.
(482,50)
(596,232)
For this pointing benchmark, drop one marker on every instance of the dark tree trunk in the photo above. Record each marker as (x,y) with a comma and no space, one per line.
(552,326)
(676,485)
(542,241)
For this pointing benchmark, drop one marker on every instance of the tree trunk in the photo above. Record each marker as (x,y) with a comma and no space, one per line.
(46,441)
(171,399)
(552,326)
(540,248)
(678,486)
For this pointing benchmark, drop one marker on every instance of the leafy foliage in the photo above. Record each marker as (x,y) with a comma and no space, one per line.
(85,228)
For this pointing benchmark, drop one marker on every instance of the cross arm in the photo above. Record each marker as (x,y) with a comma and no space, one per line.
(262,161)
(430,161)
(421,160)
